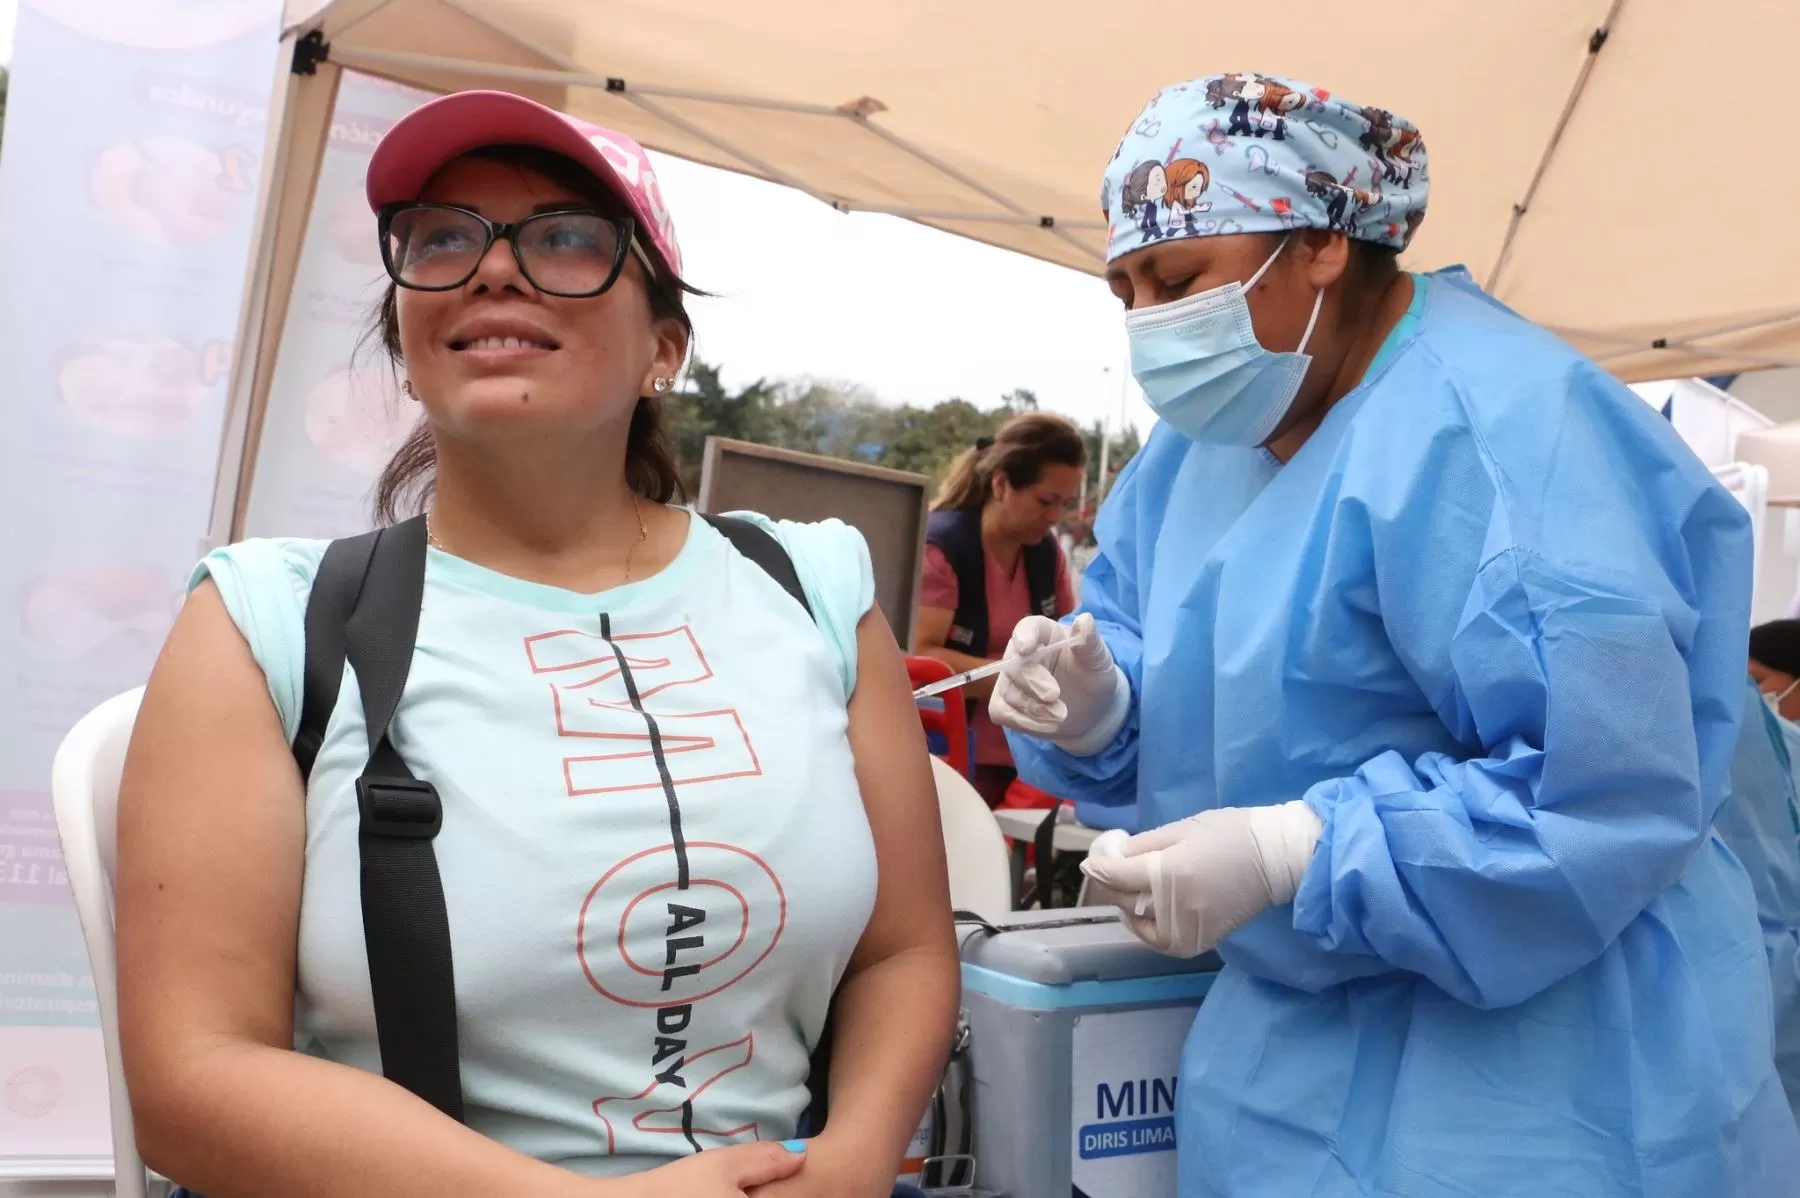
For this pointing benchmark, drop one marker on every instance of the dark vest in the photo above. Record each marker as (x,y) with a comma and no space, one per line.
(958,535)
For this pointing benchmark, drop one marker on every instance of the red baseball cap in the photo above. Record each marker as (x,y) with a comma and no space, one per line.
(431,135)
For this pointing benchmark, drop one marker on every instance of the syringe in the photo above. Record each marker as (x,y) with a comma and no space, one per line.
(979,672)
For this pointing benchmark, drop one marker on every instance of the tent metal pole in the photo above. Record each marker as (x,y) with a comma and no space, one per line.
(1741,326)
(235,449)
(645,96)
(1705,351)
(682,93)
(718,143)
(329,19)
(1595,42)
(1015,217)
(973,184)
(374,61)
(992,218)
(1629,345)
(300,116)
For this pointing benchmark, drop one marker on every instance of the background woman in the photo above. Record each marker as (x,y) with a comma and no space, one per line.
(992,558)
(635,732)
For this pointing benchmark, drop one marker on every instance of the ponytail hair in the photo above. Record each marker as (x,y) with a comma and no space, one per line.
(1020,450)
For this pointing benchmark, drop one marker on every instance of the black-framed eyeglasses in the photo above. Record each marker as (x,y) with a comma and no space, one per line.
(574,254)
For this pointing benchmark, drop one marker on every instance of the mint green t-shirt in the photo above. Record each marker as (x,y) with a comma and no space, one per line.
(609,968)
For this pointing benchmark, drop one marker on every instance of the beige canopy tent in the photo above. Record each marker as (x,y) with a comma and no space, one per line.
(1611,168)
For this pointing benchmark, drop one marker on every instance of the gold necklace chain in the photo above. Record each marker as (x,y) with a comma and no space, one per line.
(636,510)
(643,534)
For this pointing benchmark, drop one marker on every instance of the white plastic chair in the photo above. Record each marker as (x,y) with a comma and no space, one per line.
(84,783)
(980,871)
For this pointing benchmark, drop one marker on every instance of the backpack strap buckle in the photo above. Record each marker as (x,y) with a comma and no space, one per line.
(399,808)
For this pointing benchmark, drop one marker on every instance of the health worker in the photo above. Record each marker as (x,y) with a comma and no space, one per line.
(1761,824)
(1415,645)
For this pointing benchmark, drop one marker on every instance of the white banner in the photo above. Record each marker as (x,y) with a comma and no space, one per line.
(133,129)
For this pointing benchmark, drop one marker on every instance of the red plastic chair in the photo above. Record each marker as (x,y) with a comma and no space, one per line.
(952,723)
(1020,795)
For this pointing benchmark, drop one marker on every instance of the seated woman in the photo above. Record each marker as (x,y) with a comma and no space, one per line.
(635,732)
(992,559)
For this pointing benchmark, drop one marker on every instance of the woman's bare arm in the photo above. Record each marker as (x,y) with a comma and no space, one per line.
(896,1006)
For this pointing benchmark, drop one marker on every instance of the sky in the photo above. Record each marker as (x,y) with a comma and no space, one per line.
(912,314)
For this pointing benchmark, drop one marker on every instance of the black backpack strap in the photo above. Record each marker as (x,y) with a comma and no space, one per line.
(406,927)
(763,549)
(1043,852)
(337,586)
(760,547)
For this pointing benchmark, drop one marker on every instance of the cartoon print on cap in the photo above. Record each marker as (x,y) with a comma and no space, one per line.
(1269,100)
(1224,89)
(1336,196)
(1186,179)
(1144,186)
(1276,153)
(1393,145)
(1343,203)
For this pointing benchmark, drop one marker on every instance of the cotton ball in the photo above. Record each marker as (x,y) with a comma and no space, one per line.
(1110,843)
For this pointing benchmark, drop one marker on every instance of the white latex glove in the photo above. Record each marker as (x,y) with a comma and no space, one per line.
(1076,698)
(1210,874)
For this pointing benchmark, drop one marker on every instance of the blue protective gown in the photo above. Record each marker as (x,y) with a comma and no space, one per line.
(1490,623)
(1761,824)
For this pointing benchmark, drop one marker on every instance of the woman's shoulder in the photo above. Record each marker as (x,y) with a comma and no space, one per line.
(828,552)
(832,561)
(263,560)
(263,572)
(264,583)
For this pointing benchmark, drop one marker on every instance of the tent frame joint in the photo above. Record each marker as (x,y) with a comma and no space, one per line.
(309,51)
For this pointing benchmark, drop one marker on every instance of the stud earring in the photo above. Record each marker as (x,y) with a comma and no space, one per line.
(659,385)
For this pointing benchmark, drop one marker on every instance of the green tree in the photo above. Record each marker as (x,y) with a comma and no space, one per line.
(705,408)
(926,440)
(836,419)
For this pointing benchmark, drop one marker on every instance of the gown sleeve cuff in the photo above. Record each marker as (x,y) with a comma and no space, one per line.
(1315,900)
(1102,733)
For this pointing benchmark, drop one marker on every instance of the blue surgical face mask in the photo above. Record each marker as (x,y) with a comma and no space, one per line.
(1204,372)
(1775,701)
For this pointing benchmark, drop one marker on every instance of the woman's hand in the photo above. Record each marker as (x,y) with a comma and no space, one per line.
(716,1173)
(834,1169)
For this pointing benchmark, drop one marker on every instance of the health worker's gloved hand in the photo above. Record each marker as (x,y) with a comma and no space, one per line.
(1076,698)
(1208,875)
